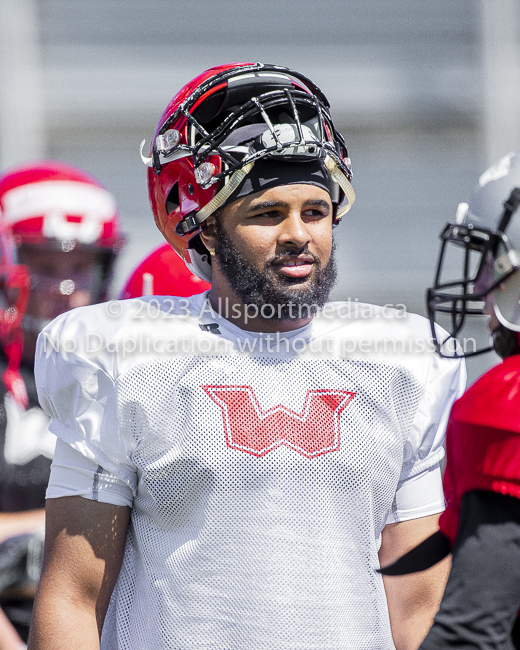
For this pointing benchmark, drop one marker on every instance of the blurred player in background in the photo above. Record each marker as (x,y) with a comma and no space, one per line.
(162,273)
(482,480)
(14,292)
(227,475)
(66,229)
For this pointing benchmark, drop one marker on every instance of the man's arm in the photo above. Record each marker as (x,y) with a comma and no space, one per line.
(84,548)
(413,600)
(19,523)
(9,639)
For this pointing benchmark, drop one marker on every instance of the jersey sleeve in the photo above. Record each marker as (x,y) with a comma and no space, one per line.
(72,474)
(418,496)
(444,383)
(79,395)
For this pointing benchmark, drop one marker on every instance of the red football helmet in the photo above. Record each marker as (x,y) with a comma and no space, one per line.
(50,204)
(162,273)
(216,128)
(14,293)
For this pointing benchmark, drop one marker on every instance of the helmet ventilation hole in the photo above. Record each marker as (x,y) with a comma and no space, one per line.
(172,201)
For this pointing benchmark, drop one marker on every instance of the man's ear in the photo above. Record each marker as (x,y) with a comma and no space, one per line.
(208,234)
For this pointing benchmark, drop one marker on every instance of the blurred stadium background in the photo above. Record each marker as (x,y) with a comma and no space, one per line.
(425,93)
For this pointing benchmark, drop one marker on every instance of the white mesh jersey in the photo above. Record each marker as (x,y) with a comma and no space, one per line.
(263,468)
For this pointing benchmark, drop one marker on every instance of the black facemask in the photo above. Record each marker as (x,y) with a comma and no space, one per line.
(288,297)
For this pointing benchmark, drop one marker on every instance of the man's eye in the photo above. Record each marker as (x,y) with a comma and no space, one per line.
(314,213)
(272,214)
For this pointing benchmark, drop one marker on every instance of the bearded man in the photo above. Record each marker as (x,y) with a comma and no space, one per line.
(232,467)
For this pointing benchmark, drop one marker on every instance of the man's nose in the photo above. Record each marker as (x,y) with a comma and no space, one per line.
(294,231)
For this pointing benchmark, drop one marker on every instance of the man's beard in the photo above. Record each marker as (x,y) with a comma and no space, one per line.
(275,297)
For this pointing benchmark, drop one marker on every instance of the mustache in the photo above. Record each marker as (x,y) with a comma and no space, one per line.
(292,254)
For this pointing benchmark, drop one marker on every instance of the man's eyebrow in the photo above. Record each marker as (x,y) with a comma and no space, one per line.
(269,205)
(320,202)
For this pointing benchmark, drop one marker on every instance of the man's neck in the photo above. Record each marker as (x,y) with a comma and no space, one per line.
(248,317)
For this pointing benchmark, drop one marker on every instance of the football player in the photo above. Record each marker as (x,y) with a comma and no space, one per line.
(14,292)
(481,523)
(232,467)
(66,231)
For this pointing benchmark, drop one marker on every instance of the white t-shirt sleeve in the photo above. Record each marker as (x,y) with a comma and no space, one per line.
(79,395)
(72,474)
(419,491)
(418,496)
(424,447)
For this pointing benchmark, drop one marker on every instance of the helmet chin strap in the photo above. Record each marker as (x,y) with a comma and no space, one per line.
(343,182)
(221,197)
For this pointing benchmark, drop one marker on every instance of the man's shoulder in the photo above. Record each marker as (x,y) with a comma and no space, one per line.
(374,320)
(119,334)
(494,399)
(388,335)
(111,317)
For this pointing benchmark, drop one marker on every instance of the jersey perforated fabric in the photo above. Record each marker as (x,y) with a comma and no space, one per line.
(263,468)
(72,474)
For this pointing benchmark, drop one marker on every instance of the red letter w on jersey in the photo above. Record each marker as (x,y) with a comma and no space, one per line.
(313,432)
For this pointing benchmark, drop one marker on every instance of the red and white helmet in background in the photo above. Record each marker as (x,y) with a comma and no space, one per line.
(51,204)
(14,293)
(162,273)
(214,131)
